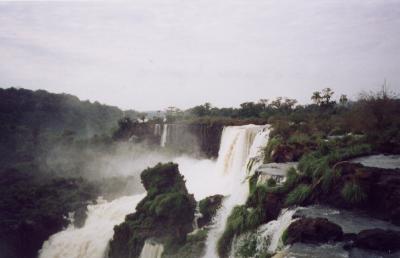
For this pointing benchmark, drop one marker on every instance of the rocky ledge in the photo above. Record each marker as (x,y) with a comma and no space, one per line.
(164,215)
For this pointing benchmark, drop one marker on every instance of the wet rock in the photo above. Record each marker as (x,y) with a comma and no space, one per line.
(395,216)
(165,214)
(208,208)
(378,239)
(313,231)
(380,186)
(288,152)
(80,216)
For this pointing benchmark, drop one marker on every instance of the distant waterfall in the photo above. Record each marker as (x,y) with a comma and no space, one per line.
(241,150)
(164,135)
(157,129)
(151,250)
(90,241)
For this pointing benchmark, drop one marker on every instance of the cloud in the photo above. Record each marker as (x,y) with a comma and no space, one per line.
(153,54)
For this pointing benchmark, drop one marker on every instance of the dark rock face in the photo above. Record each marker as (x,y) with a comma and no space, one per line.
(208,208)
(200,138)
(378,239)
(288,153)
(165,214)
(313,231)
(80,216)
(203,139)
(381,187)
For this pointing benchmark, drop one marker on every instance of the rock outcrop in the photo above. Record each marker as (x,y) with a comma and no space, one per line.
(165,214)
(381,188)
(313,231)
(378,239)
(208,208)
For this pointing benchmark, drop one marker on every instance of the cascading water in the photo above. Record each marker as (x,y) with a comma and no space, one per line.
(90,241)
(270,234)
(151,250)
(240,152)
(157,129)
(164,135)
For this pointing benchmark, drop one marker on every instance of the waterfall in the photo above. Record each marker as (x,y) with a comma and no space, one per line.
(151,250)
(164,135)
(157,129)
(241,150)
(90,241)
(270,234)
(240,153)
(197,216)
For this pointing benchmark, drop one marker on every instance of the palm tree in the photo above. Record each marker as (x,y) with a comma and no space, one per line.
(316,97)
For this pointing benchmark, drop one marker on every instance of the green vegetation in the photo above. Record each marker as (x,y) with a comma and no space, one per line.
(165,214)
(317,163)
(321,136)
(208,207)
(247,247)
(192,248)
(33,208)
(292,179)
(284,237)
(271,182)
(31,122)
(241,220)
(353,193)
(298,195)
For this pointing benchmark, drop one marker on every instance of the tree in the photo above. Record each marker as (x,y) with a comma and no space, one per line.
(316,97)
(201,110)
(327,95)
(343,99)
(277,103)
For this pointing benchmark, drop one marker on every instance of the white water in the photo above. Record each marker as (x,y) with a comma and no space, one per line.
(270,234)
(164,135)
(157,129)
(240,146)
(90,241)
(151,250)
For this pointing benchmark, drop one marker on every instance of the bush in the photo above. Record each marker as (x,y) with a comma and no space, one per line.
(284,237)
(316,164)
(240,221)
(247,247)
(271,182)
(353,193)
(257,196)
(272,144)
(292,179)
(328,179)
(299,138)
(298,195)
(174,204)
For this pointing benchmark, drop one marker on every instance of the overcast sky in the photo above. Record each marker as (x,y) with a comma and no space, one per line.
(151,54)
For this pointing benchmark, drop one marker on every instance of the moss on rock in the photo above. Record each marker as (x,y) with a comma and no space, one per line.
(208,208)
(165,214)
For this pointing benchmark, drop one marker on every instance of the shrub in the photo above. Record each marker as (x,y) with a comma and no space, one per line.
(292,179)
(253,181)
(247,247)
(328,178)
(257,196)
(240,221)
(272,144)
(298,195)
(300,138)
(271,182)
(284,236)
(353,193)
